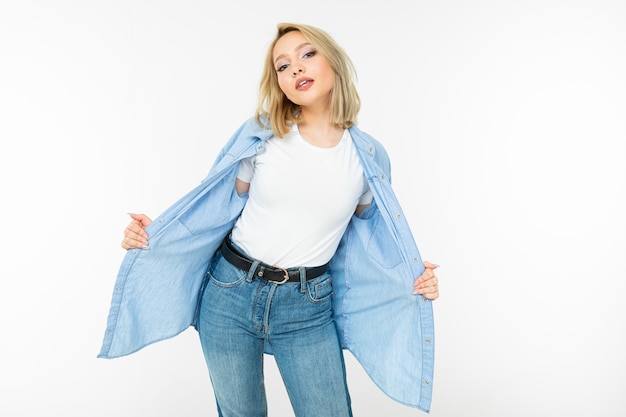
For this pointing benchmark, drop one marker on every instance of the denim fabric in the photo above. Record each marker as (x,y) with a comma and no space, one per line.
(240,315)
(389,330)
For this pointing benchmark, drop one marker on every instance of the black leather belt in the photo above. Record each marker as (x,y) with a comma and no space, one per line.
(265,271)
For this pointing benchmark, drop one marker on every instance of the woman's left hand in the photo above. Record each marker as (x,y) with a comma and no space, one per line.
(427,284)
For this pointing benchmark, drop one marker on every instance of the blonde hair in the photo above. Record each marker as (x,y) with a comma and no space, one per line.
(275,108)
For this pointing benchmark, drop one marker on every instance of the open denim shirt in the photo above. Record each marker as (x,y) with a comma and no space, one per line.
(388,329)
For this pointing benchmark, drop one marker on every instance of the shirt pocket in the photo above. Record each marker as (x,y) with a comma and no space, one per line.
(218,207)
(380,245)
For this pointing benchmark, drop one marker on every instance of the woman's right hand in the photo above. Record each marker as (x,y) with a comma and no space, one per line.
(134,235)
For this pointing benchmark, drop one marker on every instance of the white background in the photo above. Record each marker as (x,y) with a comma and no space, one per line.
(505,125)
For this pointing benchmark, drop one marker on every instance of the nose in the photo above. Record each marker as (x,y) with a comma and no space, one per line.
(297,69)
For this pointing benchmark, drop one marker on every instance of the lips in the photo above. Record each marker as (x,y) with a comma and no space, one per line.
(303,83)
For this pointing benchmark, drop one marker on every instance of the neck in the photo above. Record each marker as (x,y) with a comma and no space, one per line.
(320,133)
(315,116)
(317,129)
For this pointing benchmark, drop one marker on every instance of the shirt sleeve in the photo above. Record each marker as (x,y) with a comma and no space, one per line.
(246,169)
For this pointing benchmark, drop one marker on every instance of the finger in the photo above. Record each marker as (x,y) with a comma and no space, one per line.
(425,281)
(428,286)
(429,282)
(133,243)
(141,218)
(426,275)
(428,292)
(136,239)
(431,295)
(432,291)
(429,265)
(135,228)
(134,236)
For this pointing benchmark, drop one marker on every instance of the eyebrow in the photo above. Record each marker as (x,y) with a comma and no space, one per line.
(297,49)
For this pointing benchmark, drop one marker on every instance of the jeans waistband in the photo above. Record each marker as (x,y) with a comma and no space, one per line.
(265,271)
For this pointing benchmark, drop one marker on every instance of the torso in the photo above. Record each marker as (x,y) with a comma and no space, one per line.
(301,199)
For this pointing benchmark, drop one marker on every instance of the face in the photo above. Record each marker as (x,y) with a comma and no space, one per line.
(304,75)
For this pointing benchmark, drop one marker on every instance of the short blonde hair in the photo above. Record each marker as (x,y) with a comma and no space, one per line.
(281,113)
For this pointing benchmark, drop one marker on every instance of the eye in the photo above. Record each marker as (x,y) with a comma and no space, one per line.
(281,68)
(309,54)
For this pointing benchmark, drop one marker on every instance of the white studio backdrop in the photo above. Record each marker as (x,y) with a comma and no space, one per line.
(505,125)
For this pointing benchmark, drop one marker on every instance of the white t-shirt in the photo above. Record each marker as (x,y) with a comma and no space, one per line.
(301,200)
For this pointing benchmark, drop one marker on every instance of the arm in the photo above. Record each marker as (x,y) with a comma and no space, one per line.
(360,208)
(241,186)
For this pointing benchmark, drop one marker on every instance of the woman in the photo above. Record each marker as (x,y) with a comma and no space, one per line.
(285,208)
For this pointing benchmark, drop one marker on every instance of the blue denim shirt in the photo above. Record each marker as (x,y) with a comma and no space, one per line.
(389,330)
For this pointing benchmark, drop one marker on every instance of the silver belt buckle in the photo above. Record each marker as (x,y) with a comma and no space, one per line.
(285,279)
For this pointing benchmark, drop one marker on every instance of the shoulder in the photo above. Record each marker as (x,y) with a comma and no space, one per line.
(248,134)
(251,128)
(248,131)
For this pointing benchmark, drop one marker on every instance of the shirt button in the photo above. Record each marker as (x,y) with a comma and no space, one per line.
(426,382)
(398,216)
(414,259)
(427,341)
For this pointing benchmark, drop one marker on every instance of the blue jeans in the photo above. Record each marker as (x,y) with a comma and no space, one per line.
(242,317)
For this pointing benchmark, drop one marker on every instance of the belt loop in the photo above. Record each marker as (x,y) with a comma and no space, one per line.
(251,271)
(302,271)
